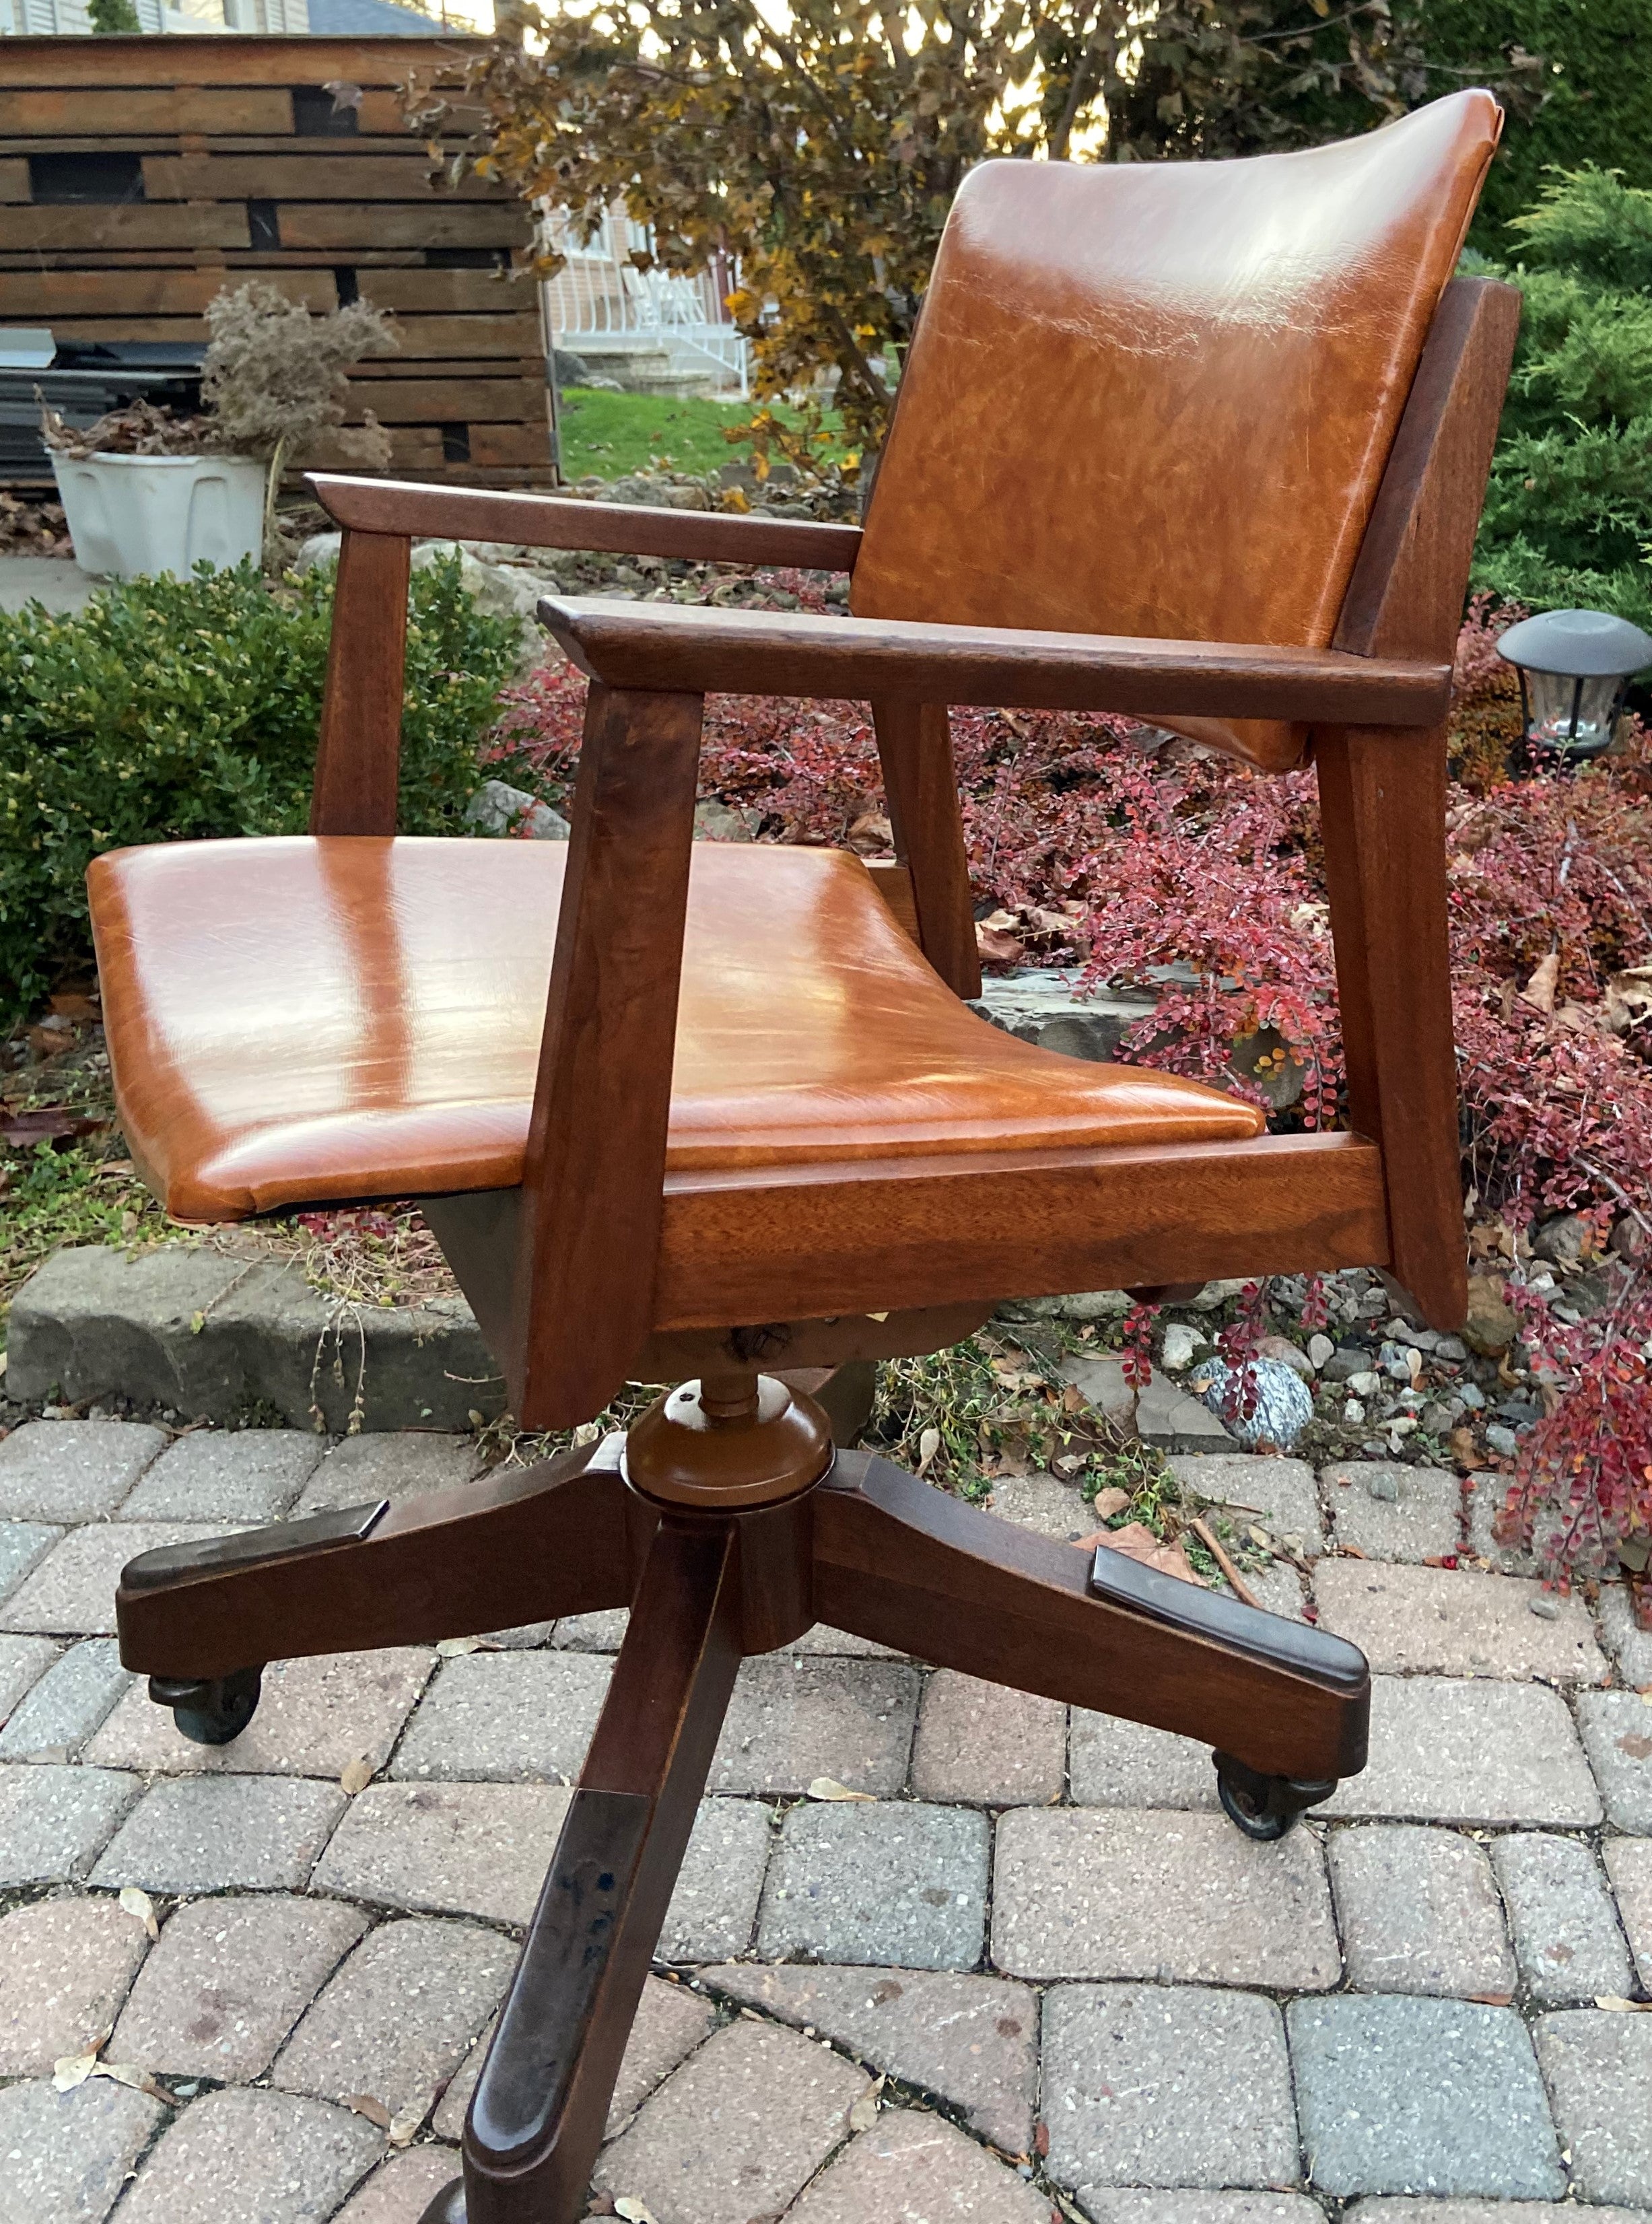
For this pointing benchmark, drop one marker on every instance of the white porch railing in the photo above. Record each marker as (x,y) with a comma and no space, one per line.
(599,303)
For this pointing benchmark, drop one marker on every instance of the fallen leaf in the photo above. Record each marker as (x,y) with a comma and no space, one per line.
(864,2114)
(1111,1501)
(827,1787)
(451,1647)
(127,2073)
(998,949)
(72,1005)
(364,2104)
(870,833)
(928,1445)
(1137,1542)
(1628,2007)
(47,1123)
(1465,1450)
(356,1775)
(1538,991)
(634,2211)
(137,1902)
(1041,2139)
(71,2069)
(403,2128)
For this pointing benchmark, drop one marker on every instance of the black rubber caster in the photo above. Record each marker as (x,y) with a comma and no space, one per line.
(1263,1807)
(209,1712)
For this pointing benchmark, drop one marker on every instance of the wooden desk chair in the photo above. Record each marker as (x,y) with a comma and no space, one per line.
(683,1109)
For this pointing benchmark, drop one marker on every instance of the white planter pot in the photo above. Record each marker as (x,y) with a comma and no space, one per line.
(133,514)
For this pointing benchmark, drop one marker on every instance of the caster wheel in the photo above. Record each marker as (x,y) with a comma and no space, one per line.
(1263,1807)
(212,1711)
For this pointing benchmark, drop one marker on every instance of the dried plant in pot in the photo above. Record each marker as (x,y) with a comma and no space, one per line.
(148,491)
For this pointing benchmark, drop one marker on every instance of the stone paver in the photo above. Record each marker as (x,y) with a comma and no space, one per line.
(1450,1621)
(1283,1489)
(24,1545)
(315,1717)
(738,2130)
(1630,1646)
(65,1967)
(671,2021)
(901,1885)
(981,1743)
(63,2156)
(396,2021)
(402,2188)
(446,1849)
(1117,1764)
(23,1661)
(1402,2209)
(1420,1912)
(201,1833)
(916,2169)
(73,1470)
(603,1632)
(1599,2066)
(1084,1893)
(1145,2086)
(67,1704)
(1566,1931)
(1391,1512)
(358,1469)
(54,1820)
(227,1475)
(1128,2205)
(290,2161)
(1617,1730)
(972,2041)
(714,1907)
(1413,2095)
(227,1982)
(71,1591)
(793,1718)
(506,1716)
(1628,1864)
(1477,1752)
(1043,1503)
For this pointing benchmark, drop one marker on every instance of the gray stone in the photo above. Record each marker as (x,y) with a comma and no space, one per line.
(23,1661)
(64,1967)
(1403,2210)
(446,1849)
(1044,1005)
(1391,1512)
(1112,1763)
(912,2168)
(1630,1647)
(1282,1406)
(396,2021)
(209,1336)
(1628,1864)
(1450,1621)
(983,1743)
(21,1545)
(1180,1343)
(1598,2067)
(826,1641)
(738,2130)
(602,1632)
(51,580)
(1128,2205)
(1277,1589)
(1082,1892)
(1479,1753)
(898,1884)
(402,2188)
(72,1592)
(504,1716)
(227,1475)
(54,1820)
(1409,2096)
(498,808)
(971,2041)
(719,1886)
(1489,1491)
(1564,1927)
(68,1703)
(1420,1912)
(390,1465)
(315,1716)
(64,2157)
(1282,1488)
(1617,1730)
(227,1982)
(1164,1415)
(1146,2087)
(203,1833)
(1043,1503)
(73,1470)
(793,1719)
(290,2161)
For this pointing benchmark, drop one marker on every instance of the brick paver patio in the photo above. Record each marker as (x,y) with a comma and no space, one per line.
(1029,1972)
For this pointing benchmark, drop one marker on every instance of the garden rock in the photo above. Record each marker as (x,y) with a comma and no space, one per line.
(1284,1404)
(1180,1343)
(498,808)
(1490,1325)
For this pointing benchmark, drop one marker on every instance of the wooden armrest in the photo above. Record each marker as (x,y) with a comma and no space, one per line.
(539,521)
(677,648)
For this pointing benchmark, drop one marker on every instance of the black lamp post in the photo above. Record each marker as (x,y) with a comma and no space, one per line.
(1575,667)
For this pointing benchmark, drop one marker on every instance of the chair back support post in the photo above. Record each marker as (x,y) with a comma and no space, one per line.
(359,747)
(1382,793)
(594,1179)
(914,747)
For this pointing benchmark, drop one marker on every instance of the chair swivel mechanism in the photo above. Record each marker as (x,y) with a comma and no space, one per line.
(1202,443)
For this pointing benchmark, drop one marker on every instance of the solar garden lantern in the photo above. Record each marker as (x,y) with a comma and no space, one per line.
(1574,667)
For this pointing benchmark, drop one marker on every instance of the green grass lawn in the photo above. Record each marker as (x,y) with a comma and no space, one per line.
(608,435)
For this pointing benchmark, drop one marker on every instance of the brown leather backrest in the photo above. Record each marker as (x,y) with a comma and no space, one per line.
(1157,398)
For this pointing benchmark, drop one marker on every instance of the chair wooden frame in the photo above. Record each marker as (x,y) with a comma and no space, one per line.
(725,1521)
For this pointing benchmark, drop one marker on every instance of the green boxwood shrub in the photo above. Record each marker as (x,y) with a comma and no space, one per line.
(173,710)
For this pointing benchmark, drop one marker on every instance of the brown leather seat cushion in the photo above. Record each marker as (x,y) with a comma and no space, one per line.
(294,1020)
